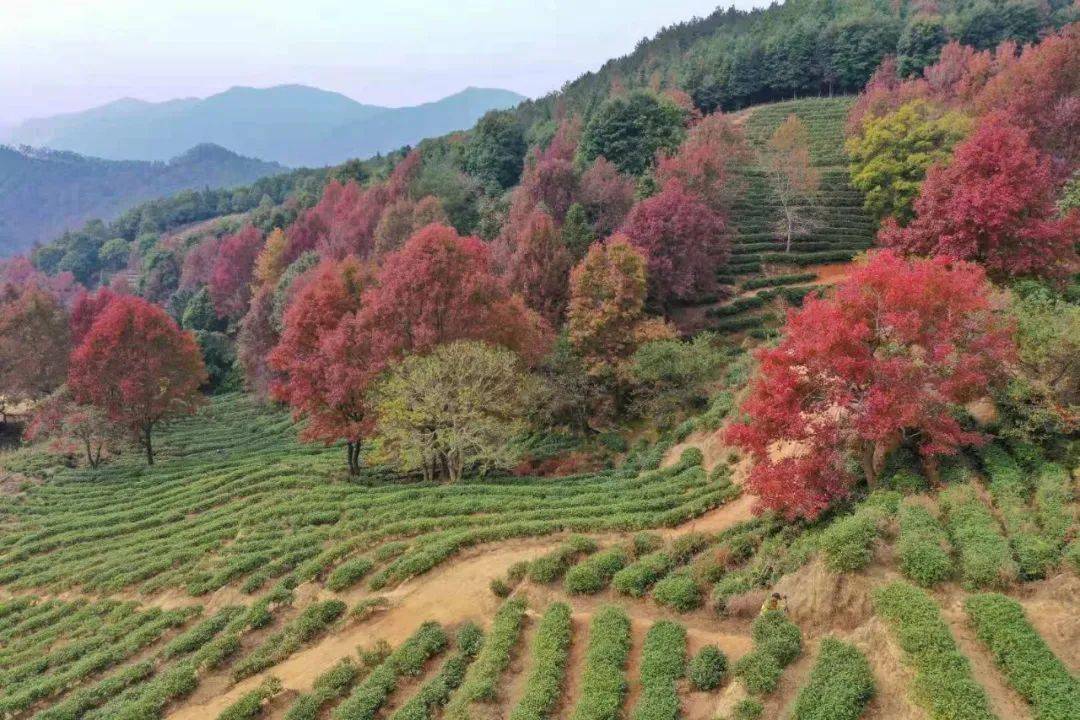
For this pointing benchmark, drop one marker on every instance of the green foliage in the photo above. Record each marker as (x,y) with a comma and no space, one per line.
(603,683)
(251,704)
(408,660)
(663,662)
(848,543)
(708,668)
(985,557)
(773,633)
(593,574)
(496,150)
(349,573)
(629,129)
(922,548)
(550,651)
(840,685)
(328,686)
(891,154)
(1030,666)
(549,568)
(311,623)
(481,680)
(436,691)
(943,683)
(576,233)
(1010,487)
(759,671)
(672,375)
(1054,508)
(679,591)
(636,579)
(748,709)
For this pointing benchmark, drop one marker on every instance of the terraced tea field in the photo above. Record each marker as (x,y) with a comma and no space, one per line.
(761,277)
(242,576)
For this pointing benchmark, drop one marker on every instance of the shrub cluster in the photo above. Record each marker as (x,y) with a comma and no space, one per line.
(985,557)
(251,704)
(1053,504)
(408,660)
(436,691)
(922,546)
(593,574)
(679,591)
(708,668)
(1010,488)
(328,686)
(550,651)
(840,684)
(482,679)
(943,682)
(603,682)
(1030,666)
(777,642)
(663,662)
(549,568)
(349,573)
(312,622)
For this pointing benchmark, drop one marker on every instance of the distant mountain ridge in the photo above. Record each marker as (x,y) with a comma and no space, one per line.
(44,192)
(295,125)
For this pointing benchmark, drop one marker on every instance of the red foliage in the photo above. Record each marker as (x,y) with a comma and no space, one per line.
(887,359)
(138,367)
(342,222)
(234,269)
(18,272)
(34,343)
(540,266)
(439,288)
(1040,92)
(993,203)
(310,372)
(199,262)
(607,196)
(706,161)
(551,181)
(86,309)
(683,239)
(257,337)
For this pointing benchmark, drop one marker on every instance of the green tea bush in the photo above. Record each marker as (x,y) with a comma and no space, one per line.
(663,662)
(708,668)
(985,556)
(679,591)
(349,573)
(636,578)
(328,686)
(759,671)
(922,546)
(436,691)
(1010,488)
(367,607)
(251,704)
(840,685)
(603,682)
(550,650)
(312,622)
(773,633)
(1030,666)
(549,568)
(644,543)
(594,573)
(482,679)
(943,683)
(1054,508)
(848,543)
(409,659)
(748,709)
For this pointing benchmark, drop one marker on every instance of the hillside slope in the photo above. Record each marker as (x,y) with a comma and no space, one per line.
(294,125)
(43,193)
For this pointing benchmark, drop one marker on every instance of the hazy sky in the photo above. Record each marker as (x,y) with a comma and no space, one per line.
(64,55)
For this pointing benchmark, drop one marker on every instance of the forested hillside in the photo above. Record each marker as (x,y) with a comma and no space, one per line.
(668,397)
(44,193)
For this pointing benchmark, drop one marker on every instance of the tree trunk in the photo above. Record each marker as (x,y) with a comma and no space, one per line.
(149,444)
(866,459)
(352,457)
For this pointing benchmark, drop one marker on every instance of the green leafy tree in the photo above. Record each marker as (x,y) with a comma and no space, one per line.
(859,44)
(920,44)
(672,375)
(199,314)
(985,25)
(629,129)
(891,154)
(496,150)
(114,254)
(577,234)
(454,409)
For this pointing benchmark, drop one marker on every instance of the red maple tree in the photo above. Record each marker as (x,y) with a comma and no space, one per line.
(137,367)
(888,359)
(234,269)
(607,196)
(540,266)
(684,241)
(34,344)
(994,204)
(86,309)
(707,161)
